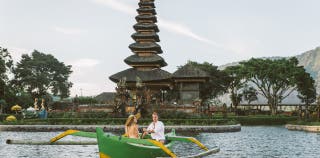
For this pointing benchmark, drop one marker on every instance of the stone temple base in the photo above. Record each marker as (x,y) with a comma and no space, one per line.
(303,128)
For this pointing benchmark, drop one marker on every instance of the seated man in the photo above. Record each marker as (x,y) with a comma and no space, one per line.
(156,128)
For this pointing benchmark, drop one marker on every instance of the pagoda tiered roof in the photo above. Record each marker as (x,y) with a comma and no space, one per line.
(143,47)
(146,11)
(146,26)
(143,36)
(146,4)
(131,75)
(135,60)
(143,18)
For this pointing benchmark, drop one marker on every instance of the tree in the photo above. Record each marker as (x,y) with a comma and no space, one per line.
(236,83)
(6,65)
(275,79)
(39,73)
(249,94)
(306,88)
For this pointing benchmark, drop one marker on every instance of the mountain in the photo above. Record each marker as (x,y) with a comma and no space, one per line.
(310,60)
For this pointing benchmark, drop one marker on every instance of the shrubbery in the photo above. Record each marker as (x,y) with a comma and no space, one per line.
(169,118)
(121,121)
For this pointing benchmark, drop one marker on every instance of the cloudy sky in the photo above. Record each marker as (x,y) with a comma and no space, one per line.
(93,35)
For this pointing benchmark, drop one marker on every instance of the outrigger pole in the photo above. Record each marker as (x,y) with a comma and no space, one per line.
(32,142)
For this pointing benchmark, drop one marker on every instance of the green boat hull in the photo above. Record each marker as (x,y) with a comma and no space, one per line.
(111,146)
(121,147)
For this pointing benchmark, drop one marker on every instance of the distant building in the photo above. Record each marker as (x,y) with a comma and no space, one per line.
(105,98)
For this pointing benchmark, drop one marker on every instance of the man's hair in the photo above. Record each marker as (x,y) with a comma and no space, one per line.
(155,113)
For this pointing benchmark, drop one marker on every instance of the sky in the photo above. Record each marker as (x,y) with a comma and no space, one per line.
(93,35)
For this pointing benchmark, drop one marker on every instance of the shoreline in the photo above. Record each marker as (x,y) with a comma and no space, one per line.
(117,128)
(302,128)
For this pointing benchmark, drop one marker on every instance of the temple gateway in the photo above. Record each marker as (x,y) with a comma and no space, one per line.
(179,88)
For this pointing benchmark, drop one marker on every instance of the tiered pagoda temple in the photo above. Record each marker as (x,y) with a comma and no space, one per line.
(145,62)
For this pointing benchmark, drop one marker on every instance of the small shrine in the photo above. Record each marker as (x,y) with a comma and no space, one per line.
(187,81)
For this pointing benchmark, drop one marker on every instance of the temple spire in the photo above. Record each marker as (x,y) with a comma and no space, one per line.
(145,48)
(145,61)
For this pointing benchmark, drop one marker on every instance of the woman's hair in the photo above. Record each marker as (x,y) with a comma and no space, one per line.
(130,120)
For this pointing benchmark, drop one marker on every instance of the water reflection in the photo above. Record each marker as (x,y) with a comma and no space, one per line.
(256,141)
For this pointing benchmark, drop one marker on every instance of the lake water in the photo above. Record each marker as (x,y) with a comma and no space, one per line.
(252,141)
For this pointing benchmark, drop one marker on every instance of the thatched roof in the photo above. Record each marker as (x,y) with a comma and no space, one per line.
(138,35)
(146,17)
(146,10)
(189,71)
(145,47)
(105,96)
(154,59)
(145,4)
(146,26)
(145,76)
(146,0)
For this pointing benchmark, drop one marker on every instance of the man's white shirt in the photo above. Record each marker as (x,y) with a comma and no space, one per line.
(158,129)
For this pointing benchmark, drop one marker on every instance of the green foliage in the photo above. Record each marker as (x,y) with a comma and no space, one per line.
(306,87)
(275,79)
(3,116)
(121,121)
(173,114)
(6,64)
(78,115)
(41,72)
(249,94)
(306,123)
(87,100)
(264,120)
(236,82)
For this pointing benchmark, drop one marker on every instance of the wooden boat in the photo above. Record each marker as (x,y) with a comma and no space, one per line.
(111,146)
(115,146)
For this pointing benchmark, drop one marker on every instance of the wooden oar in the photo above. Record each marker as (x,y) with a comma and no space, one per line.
(164,148)
(32,142)
(187,139)
(74,133)
(206,153)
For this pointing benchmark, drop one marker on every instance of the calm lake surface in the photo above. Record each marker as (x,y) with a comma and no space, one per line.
(252,141)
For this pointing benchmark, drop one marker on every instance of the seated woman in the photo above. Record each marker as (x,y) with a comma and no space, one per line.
(131,127)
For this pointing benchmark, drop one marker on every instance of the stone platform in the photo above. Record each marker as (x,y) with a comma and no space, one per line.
(303,128)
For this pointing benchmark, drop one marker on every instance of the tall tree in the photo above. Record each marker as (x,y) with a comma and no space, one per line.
(275,79)
(236,83)
(306,88)
(40,72)
(6,65)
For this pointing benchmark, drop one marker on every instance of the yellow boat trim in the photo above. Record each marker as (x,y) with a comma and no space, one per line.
(68,132)
(194,140)
(102,155)
(164,148)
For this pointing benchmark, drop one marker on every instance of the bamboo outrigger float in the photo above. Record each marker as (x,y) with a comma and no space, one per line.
(121,146)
